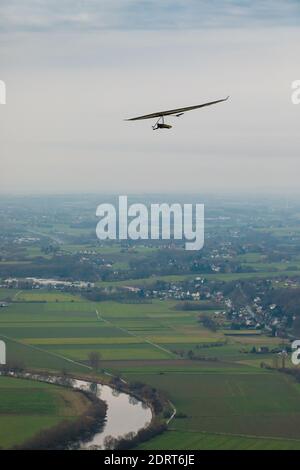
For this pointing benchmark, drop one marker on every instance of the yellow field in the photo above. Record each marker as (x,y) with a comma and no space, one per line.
(109,340)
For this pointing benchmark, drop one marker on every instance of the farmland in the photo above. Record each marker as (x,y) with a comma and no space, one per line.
(204,329)
(118,331)
(239,403)
(224,397)
(27,407)
(186,440)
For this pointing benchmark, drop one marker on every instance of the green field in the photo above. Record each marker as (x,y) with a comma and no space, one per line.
(188,440)
(27,407)
(44,295)
(243,402)
(224,399)
(8,293)
(149,331)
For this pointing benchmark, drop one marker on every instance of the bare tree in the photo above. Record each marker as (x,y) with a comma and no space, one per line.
(94,358)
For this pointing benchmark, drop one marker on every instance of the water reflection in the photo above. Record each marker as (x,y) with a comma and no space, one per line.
(94,388)
(125,415)
(133,401)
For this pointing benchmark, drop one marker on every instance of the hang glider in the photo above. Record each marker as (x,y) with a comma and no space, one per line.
(160,124)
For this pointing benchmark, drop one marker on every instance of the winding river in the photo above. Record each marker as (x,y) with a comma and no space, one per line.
(124,413)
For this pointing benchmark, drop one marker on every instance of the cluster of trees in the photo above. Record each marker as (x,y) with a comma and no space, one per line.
(117,295)
(132,440)
(287,300)
(208,322)
(58,267)
(50,249)
(148,394)
(195,306)
(169,262)
(12,366)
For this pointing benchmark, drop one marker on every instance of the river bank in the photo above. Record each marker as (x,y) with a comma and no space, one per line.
(124,417)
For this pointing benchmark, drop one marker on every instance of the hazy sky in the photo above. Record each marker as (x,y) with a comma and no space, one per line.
(75,69)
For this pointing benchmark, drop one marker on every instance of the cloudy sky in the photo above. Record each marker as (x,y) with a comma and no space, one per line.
(75,69)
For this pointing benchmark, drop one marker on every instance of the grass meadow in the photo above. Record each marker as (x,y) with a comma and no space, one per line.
(27,407)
